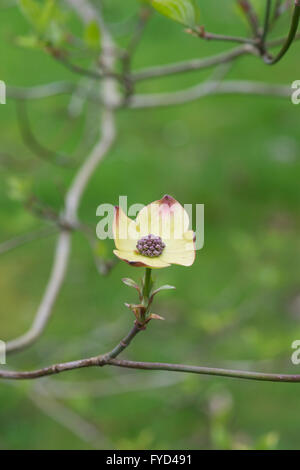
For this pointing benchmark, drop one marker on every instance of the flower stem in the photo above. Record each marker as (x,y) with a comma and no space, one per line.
(147,284)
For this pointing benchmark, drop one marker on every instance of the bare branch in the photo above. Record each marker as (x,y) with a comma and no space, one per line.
(206,89)
(144,16)
(98,361)
(247,7)
(26,238)
(53,89)
(266,21)
(33,144)
(85,10)
(62,59)
(203,34)
(55,282)
(128,82)
(202,64)
(41,91)
(110,98)
(110,359)
(66,417)
(192,65)
(238,374)
(123,344)
(88,168)
(281,7)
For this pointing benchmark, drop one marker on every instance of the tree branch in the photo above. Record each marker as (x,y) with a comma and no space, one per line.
(71,420)
(41,91)
(33,143)
(61,258)
(99,361)
(203,64)
(123,344)
(251,16)
(110,359)
(208,88)
(26,238)
(238,374)
(203,34)
(280,7)
(192,65)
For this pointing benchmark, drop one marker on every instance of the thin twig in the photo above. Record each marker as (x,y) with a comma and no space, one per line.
(251,16)
(76,68)
(279,41)
(123,344)
(41,91)
(267,21)
(55,282)
(98,361)
(33,144)
(71,420)
(280,8)
(262,376)
(202,64)
(52,89)
(268,59)
(203,34)
(144,16)
(153,100)
(26,238)
(276,11)
(110,358)
(191,65)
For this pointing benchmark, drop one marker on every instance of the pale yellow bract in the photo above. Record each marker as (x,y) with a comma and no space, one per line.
(165,218)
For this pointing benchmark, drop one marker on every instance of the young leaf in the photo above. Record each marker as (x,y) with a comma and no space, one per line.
(18,189)
(166,287)
(47,20)
(92,35)
(130,283)
(185,12)
(29,42)
(32,11)
(154,316)
(47,15)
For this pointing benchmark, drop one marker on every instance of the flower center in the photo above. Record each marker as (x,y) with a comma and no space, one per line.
(151,246)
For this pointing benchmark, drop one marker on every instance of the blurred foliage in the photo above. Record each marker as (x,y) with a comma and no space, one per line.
(237,306)
(47,20)
(184,11)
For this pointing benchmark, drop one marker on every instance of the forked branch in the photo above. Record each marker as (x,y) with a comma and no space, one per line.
(110,359)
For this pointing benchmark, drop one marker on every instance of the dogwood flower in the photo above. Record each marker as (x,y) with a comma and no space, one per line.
(157,238)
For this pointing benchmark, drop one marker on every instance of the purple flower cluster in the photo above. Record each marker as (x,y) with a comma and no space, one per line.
(150,246)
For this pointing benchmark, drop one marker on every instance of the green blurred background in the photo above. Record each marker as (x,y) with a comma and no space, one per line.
(238,306)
